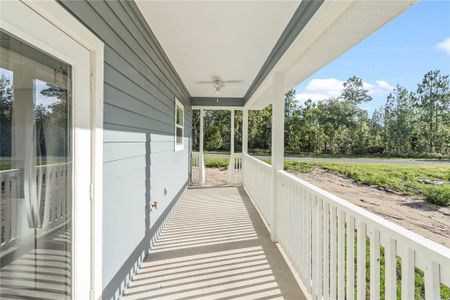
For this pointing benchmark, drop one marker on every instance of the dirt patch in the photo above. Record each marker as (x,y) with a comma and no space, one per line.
(412,212)
(216,176)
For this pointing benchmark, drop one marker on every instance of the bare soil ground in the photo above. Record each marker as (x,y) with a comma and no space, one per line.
(216,176)
(427,219)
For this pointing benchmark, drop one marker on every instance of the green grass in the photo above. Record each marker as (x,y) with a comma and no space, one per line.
(4,166)
(387,156)
(395,177)
(215,162)
(419,278)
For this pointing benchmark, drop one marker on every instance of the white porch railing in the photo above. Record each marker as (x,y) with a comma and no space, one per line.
(54,190)
(319,233)
(257,182)
(195,168)
(235,168)
(9,195)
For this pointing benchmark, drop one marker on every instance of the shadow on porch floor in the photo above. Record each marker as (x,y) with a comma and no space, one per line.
(215,246)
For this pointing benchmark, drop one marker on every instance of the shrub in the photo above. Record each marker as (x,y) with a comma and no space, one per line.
(437,194)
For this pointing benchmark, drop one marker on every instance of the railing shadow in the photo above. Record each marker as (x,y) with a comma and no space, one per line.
(200,255)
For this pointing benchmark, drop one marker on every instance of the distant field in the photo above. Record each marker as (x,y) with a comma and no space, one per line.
(4,166)
(395,177)
(427,156)
(216,162)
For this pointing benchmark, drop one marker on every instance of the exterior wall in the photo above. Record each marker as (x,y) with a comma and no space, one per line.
(140,164)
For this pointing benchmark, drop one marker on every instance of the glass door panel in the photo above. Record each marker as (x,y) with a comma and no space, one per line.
(35,172)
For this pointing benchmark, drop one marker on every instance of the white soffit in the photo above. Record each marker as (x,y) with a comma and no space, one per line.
(334,29)
(227,39)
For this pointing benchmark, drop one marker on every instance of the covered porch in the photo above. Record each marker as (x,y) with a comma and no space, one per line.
(139,231)
(334,249)
(275,236)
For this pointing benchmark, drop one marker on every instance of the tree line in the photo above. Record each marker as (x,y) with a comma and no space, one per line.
(52,122)
(410,123)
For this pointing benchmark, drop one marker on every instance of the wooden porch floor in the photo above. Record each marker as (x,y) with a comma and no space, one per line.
(215,246)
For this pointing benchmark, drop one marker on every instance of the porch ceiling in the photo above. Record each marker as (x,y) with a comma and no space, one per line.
(230,40)
(251,41)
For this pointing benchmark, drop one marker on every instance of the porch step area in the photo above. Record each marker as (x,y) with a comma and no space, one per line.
(215,246)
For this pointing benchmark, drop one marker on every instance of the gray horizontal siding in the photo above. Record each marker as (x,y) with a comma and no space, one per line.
(140,164)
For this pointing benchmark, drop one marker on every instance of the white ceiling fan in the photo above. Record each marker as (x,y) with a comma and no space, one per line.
(219,84)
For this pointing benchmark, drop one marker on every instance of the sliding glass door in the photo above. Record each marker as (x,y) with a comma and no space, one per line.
(45,158)
(36,171)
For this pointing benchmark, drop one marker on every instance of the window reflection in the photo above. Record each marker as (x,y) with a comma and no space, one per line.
(35,173)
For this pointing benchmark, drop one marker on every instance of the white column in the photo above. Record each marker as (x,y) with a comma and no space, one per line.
(245,131)
(231,164)
(244,142)
(277,144)
(202,159)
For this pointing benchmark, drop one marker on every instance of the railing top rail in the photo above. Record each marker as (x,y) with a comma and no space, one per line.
(9,171)
(440,253)
(37,167)
(54,165)
(258,161)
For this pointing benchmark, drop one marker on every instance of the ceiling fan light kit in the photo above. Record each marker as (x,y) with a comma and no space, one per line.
(219,84)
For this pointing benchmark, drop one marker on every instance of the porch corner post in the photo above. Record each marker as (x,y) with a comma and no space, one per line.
(202,158)
(245,131)
(244,142)
(277,145)
(231,164)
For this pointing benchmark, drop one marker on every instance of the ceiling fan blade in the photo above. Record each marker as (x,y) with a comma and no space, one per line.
(203,82)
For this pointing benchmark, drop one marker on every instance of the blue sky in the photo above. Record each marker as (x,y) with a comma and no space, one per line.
(401,52)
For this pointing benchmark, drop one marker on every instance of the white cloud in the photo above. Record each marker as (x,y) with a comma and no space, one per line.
(384,85)
(321,89)
(444,46)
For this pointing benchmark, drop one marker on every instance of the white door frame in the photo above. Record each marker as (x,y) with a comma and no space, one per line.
(55,14)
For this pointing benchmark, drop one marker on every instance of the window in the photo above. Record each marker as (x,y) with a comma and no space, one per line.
(179,125)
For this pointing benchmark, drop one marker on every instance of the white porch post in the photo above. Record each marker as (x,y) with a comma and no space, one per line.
(277,145)
(202,159)
(245,131)
(231,164)
(244,142)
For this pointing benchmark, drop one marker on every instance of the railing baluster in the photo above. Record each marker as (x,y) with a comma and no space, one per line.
(432,286)
(341,255)
(350,259)
(408,276)
(315,248)
(390,259)
(374,264)
(361,261)
(326,251)
(14,197)
(319,248)
(308,231)
(6,205)
(333,252)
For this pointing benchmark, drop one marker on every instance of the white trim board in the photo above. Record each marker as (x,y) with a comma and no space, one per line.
(179,147)
(218,107)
